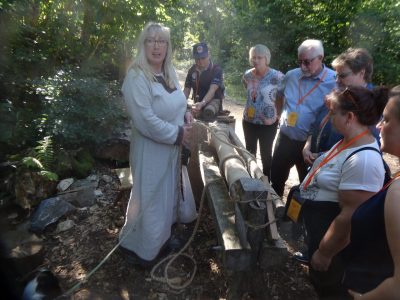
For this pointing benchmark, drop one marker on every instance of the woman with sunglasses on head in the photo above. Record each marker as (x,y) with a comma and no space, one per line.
(373,256)
(353,67)
(339,181)
(157,107)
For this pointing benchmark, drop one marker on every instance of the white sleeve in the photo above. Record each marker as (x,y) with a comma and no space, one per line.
(363,171)
(138,99)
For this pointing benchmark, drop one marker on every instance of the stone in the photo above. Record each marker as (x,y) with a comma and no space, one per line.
(64,226)
(64,184)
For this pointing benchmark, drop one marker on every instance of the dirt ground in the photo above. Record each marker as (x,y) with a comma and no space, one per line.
(73,254)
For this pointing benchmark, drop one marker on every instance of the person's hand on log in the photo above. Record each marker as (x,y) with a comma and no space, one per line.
(188,117)
(198,107)
(187,135)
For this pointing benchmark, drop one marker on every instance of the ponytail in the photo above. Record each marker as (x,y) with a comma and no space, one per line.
(381,97)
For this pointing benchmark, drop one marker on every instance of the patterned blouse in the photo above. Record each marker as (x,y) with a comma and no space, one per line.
(261,95)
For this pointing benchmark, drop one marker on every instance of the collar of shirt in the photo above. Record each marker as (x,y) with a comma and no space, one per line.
(210,65)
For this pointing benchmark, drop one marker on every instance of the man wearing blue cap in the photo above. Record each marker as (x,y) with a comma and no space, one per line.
(205,79)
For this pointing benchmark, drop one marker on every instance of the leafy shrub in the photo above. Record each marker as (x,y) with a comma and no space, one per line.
(80,109)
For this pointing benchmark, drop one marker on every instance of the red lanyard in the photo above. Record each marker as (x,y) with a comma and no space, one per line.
(197,84)
(301,99)
(333,153)
(256,83)
(325,120)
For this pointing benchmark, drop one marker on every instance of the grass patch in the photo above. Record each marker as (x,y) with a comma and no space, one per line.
(183,65)
(235,92)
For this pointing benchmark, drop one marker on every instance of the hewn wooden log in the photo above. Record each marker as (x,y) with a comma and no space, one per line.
(210,112)
(230,162)
(244,189)
(236,251)
(250,207)
(255,172)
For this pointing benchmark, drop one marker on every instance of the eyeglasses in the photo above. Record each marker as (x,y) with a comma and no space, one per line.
(343,75)
(153,42)
(306,62)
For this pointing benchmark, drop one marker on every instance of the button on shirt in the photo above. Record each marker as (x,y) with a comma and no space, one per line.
(311,105)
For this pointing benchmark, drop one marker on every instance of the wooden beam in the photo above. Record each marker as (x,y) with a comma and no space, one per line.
(236,252)
(256,172)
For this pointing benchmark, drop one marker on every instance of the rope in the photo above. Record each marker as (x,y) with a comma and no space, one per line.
(274,195)
(222,162)
(173,257)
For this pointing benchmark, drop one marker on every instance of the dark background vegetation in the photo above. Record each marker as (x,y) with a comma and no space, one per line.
(62,61)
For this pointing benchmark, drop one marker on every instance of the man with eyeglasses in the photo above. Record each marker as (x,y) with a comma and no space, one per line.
(299,100)
(205,80)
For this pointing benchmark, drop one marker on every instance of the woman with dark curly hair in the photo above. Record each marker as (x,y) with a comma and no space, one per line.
(340,180)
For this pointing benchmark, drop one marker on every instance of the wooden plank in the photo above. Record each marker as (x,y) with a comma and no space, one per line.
(237,253)
(272,228)
(256,172)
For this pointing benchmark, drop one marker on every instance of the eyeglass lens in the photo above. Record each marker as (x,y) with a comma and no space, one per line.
(152,42)
(306,62)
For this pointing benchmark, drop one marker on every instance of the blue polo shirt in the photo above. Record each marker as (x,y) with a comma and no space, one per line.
(294,86)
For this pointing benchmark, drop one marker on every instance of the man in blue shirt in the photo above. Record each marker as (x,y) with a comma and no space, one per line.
(205,79)
(299,99)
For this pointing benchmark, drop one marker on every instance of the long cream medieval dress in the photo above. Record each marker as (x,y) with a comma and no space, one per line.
(156,115)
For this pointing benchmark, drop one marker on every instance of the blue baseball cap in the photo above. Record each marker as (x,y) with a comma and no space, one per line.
(200,50)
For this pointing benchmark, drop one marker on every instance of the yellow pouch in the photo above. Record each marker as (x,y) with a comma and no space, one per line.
(251,112)
(292,119)
(294,209)
(294,204)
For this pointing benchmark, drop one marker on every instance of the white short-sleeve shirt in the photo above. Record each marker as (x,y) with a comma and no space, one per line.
(362,171)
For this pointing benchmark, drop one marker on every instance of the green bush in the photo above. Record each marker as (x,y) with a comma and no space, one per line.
(80,109)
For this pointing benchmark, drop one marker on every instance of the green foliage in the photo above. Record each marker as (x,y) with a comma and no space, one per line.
(45,152)
(32,163)
(82,163)
(8,121)
(79,109)
(49,175)
(42,161)
(62,62)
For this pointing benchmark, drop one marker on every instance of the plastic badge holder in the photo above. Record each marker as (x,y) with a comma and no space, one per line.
(294,209)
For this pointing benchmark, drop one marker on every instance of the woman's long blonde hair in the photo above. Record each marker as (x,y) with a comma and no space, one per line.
(140,62)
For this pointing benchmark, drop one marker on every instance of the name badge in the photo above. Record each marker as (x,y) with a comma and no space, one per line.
(251,112)
(292,119)
(294,209)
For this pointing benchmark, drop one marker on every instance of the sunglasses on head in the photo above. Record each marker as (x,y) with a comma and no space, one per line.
(348,95)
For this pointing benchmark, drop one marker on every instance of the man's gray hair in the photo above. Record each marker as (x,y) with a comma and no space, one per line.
(315,47)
